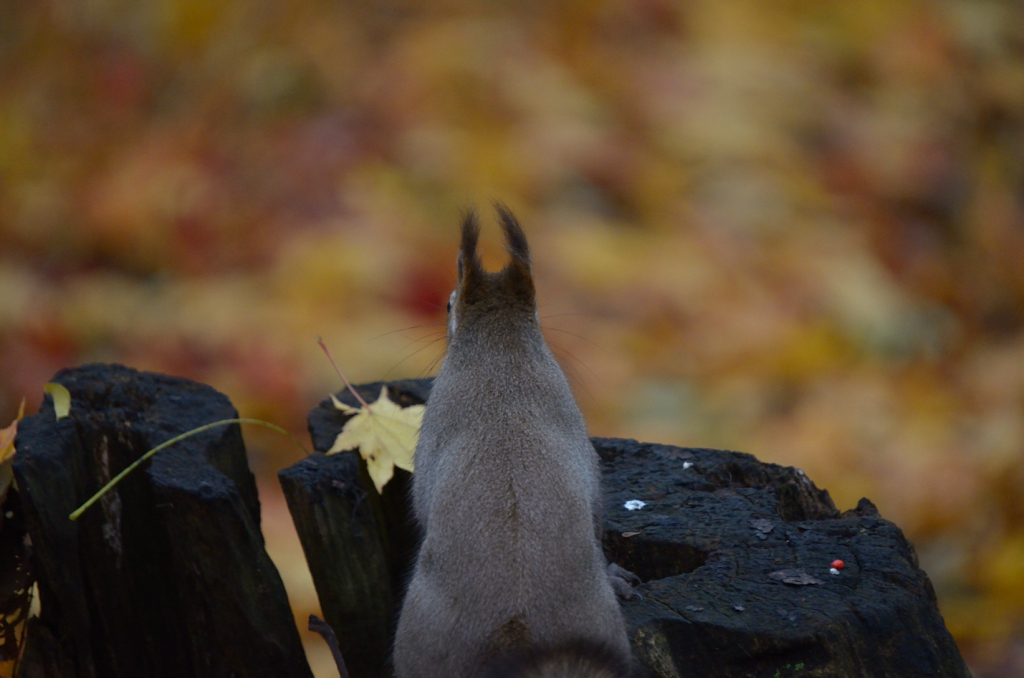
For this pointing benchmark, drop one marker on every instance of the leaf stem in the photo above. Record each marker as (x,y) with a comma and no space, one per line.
(341,374)
(176,439)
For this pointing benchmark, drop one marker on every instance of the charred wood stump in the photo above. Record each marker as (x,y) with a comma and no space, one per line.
(167,575)
(736,558)
(359,544)
(734,555)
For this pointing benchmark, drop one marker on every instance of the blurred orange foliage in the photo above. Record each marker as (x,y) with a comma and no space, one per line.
(790,228)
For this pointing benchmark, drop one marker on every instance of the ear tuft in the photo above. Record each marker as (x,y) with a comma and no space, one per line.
(469,260)
(514,236)
(517,274)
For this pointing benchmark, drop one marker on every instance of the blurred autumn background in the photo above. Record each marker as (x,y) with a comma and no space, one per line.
(791,228)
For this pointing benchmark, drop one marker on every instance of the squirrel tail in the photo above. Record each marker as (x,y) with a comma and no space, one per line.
(573,659)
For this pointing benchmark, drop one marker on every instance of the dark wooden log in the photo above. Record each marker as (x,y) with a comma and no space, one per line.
(734,555)
(358,544)
(167,575)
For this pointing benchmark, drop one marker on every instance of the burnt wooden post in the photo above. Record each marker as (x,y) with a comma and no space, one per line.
(166,575)
(734,555)
(358,544)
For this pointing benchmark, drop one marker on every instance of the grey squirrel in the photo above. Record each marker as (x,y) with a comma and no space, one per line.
(510,579)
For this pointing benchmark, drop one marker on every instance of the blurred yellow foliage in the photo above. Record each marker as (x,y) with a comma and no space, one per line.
(789,228)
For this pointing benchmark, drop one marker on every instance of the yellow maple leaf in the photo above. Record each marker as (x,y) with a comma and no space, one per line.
(385,434)
(7,436)
(61,398)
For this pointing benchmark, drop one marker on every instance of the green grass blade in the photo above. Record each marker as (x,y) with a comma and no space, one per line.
(176,439)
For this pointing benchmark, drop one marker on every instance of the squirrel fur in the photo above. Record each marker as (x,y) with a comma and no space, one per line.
(507,491)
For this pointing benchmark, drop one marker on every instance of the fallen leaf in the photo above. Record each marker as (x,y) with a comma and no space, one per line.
(385,434)
(16,584)
(7,436)
(15,593)
(795,577)
(61,399)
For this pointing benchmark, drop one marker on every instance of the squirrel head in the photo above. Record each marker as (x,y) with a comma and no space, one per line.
(481,299)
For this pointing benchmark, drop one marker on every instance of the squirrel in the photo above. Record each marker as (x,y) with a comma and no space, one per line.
(510,579)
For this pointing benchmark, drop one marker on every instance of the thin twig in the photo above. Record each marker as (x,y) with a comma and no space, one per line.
(318,625)
(341,374)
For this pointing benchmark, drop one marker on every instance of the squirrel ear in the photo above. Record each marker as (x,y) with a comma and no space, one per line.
(517,273)
(468,260)
(514,236)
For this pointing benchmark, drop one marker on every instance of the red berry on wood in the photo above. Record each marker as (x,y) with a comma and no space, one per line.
(838,564)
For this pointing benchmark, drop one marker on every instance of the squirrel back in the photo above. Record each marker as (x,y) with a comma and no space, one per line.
(506,488)
(574,659)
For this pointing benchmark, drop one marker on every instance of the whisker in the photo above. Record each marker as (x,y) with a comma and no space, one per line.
(570,371)
(405,329)
(422,348)
(561,315)
(572,375)
(570,354)
(571,334)
(434,362)
(430,338)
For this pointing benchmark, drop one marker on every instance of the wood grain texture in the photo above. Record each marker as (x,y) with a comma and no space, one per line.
(167,575)
(358,544)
